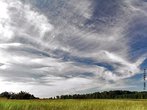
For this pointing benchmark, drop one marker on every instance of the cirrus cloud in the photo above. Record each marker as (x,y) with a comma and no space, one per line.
(69,46)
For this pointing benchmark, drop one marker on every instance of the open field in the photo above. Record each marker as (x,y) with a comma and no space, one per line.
(73,104)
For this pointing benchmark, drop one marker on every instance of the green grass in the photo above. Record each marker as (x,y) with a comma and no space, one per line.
(73,104)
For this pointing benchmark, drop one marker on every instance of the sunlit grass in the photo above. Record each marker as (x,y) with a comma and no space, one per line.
(73,104)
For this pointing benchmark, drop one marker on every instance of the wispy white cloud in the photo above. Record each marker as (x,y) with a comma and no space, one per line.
(65,46)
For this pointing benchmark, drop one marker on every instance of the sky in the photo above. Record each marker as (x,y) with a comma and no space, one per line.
(56,47)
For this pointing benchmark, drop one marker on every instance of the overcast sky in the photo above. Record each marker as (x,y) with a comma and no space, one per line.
(55,47)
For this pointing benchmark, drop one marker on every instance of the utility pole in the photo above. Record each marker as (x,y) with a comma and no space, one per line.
(144,77)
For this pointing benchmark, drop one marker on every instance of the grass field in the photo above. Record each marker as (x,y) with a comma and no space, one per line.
(73,104)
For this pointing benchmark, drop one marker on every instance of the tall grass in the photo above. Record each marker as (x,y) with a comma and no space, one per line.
(73,104)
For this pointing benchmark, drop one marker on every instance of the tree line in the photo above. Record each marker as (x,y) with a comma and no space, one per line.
(20,95)
(117,94)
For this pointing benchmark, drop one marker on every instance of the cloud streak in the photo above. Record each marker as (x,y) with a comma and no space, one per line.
(64,46)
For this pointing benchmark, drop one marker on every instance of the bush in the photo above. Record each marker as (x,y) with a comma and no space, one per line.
(20,95)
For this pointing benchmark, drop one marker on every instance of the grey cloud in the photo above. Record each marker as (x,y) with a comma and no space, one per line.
(27,51)
(74,42)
